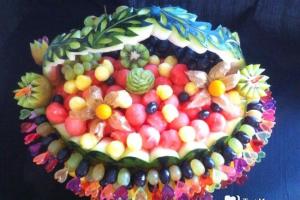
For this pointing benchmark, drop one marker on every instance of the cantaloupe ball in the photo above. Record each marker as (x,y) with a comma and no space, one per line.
(70,87)
(154,59)
(115,149)
(191,88)
(77,103)
(171,60)
(164,69)
(101,73)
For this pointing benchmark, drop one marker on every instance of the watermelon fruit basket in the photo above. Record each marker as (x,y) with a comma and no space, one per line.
(145,103)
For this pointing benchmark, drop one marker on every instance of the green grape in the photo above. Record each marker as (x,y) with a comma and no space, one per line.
(123,177)
(78,69)
(94,64)
(86,58)
(73,161)
(69,74)
(96,56)
(98,172)
(87,66)
(65,68)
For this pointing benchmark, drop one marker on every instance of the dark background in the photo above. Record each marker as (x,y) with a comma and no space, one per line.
(269,32)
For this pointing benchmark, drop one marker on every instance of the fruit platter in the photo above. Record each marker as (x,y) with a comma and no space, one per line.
(143,104)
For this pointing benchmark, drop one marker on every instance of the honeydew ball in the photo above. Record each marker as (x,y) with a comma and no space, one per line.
(77,103)
(98,172)
(123,177)
(164,69)
(197,167)
(216,88)
(115,149)
(191,88)
(164,92)
(83,82)
(171,60)
(88,141)
(187,133)
(236,145)
(170,112)
(103,111)
(108,65)
(217,158)
(70,87)
(175,173)
(153,177)
(101,73)
(134,141)
(154,59)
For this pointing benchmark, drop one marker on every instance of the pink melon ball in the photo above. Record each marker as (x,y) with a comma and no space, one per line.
(136,114)
(150,137)
(157,121)
(150,96)
(121,77)
(170,139)
(180,121)
(201,127)
(153,69)
(162,81)
(216,122)
(75,127)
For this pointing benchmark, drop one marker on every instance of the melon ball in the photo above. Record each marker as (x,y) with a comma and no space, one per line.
(201,128)
(178,74)
(180,121)
(157,121)
(75,127)
(150,137)
(121,77)
(136,114)
(153,69)
(170,139)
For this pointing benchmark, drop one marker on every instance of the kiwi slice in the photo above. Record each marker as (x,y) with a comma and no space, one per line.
(35,91)
(134,56)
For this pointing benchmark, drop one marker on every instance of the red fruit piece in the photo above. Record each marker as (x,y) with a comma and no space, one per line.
(162,81)
(216,122)
(117,65)
(170,139)
(201,127)
(136,114)
(75,127)
(153,69)
(121,77)
(136,98)
(67,100)
(177,89)
(56,113)
(172,100)
(178,76)
(192,112)
(180,121)
(157,121)
(60,91)
(119,135)
(150,96)
(150,137)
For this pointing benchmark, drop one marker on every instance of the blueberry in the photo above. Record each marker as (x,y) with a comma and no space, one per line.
(215,107)
(186,170)
(111,175)
(255,106)
(63,155)
(40,119)
(140,178)
(164,175)
(183,97)
(48,139)
(252,121)
(151,107)
(58,99)
(228,154)
(242,137)
(103,182)
(203,114)
(208,162)
(82,168)
(110,81)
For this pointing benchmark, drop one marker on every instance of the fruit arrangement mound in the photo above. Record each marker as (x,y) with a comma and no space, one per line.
(145,104)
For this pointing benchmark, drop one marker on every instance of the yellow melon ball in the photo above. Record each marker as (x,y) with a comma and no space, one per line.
(101,73)
(191,88)
(170,112)
(187,133)
(154,59)
(108,65)
(103,111)
(77,103)
(216,88)
(88,141)
(83,82)
(171,60)
(234,97)
(70,87)
(134,141)
(164,69)
(164,92)
(115,149)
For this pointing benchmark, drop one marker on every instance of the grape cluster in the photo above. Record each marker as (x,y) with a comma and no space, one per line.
(71,69)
